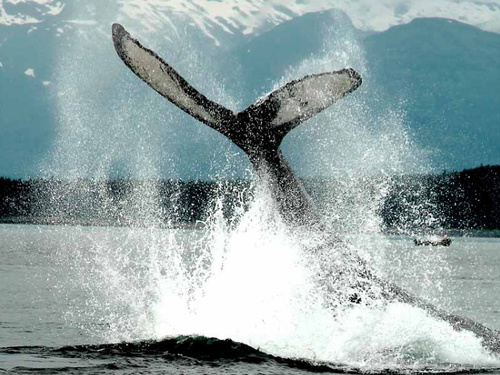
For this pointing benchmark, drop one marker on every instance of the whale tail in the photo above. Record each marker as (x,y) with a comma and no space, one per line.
(261,126)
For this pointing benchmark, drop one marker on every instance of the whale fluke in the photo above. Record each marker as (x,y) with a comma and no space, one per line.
(258,129)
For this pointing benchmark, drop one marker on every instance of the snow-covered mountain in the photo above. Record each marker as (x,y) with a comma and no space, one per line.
(63,88)
(256,16)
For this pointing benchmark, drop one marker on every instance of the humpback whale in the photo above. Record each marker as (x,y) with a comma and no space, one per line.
(258,131)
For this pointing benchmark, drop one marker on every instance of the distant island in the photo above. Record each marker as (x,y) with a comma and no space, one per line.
(465,201)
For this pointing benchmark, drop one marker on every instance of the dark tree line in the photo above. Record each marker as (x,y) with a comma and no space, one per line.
(460,200)
(116,202)
(456,200)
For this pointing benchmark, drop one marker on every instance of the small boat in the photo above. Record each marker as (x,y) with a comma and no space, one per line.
(444,241)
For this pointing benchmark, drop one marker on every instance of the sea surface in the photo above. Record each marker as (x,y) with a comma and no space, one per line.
(83,300)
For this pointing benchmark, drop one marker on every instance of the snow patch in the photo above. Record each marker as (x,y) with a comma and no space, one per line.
(83,22)
(55,9)
(30,72)
(18,19)
(40,11)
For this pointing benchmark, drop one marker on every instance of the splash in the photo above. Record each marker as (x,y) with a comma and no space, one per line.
(252,283)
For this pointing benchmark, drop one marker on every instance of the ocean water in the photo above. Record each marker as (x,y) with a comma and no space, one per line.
(88,300)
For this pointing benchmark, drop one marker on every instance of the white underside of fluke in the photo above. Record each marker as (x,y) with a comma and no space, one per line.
(153,71)
(311,95)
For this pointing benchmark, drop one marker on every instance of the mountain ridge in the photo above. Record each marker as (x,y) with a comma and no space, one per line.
(30,102)
(451,89)
(257,16)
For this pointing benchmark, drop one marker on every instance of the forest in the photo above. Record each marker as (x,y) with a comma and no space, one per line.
(469,199)
(466,200)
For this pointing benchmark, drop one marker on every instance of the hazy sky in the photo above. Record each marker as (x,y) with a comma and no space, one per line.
(65,75)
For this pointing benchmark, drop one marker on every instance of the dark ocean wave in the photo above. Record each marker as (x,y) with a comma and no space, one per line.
(195,353)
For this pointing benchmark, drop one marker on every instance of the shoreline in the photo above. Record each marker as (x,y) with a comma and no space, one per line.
(98,223)
(47,221)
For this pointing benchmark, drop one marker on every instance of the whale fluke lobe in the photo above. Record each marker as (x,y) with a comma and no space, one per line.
(301,99)
(260,128)
(149,67)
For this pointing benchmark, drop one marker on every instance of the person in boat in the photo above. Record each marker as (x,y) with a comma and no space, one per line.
(445,241)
